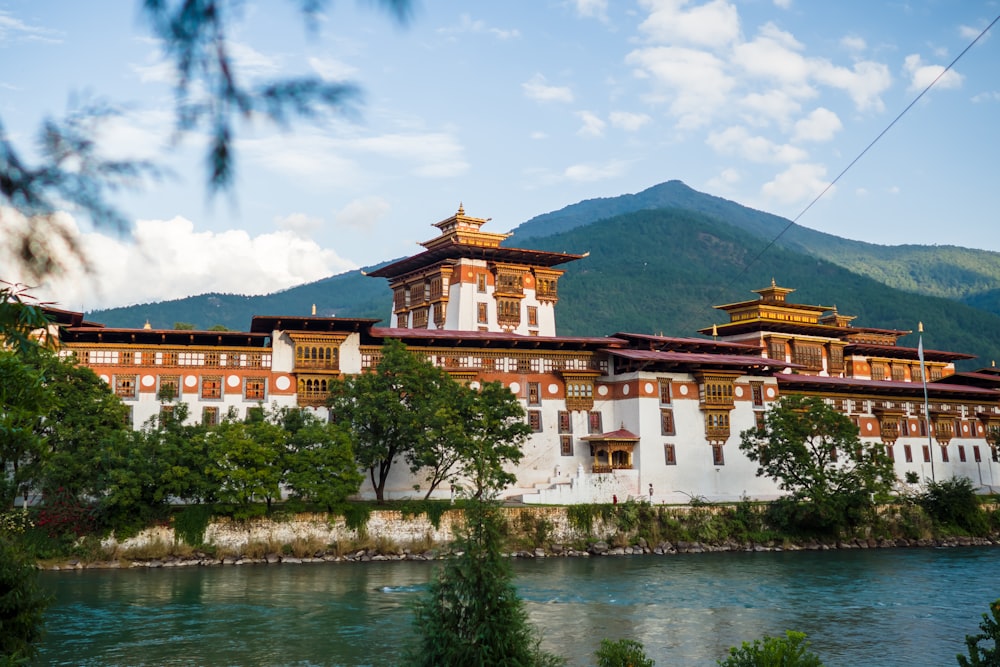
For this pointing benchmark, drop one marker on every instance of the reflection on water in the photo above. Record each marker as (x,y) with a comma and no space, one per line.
(896,607)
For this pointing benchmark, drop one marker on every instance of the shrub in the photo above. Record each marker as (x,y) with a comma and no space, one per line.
(22,605)
(953,502)
(979,656)
(622,653)
(790,651)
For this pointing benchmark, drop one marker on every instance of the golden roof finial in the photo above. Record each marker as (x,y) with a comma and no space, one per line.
(715,331)
(773,284)
(147,325)
(461,209)
(920,327)
(314,309)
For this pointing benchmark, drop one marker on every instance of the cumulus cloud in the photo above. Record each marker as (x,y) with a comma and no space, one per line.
(797,184)
(714,24)
(14,29)
(769,106)
(864,83)
(467,25)
(922,75)
(592,125)
(538,89)
(853,43)
(627,120)
(820,125)
(737,141)
(597,9)
(363,213)
(170,259)
(299,223)
(694,82)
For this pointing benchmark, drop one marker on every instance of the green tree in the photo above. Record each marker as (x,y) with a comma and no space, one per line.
(981,656)
(22,606)
(247,460)
(471,614)
(24,400)
(394,410)
(622,653)
(792,650)
(954,502)
(320,462)
(814,452)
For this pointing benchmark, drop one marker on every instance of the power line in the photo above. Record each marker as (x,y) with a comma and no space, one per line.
(861,154)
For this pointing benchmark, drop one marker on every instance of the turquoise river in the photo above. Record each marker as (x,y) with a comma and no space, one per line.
(860,607)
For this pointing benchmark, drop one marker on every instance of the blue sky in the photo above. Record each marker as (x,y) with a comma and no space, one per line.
(519,108)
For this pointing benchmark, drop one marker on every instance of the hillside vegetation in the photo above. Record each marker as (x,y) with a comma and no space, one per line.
(660,259)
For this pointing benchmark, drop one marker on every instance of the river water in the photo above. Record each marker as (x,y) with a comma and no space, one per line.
(908,607)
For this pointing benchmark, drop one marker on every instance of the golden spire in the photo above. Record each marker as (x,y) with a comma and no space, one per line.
(461,209)
(715,331)
(147,325)
(314,309)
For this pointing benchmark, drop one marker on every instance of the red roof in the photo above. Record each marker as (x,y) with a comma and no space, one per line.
(620,434)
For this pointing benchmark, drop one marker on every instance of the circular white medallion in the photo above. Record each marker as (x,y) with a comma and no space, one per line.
(553,388)
(602,390)
(515,388)
(737,391)
(770,392)
(190,381)
(148,380)
(233,380)
(625,390)
(106,378)
(868,427)
(683,389)
(649,387)
(283,383)
(965,428)
(474,386)
(913,428)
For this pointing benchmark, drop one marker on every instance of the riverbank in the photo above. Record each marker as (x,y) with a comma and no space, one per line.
(532,532)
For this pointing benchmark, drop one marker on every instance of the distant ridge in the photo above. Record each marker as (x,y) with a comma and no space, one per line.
(673,254)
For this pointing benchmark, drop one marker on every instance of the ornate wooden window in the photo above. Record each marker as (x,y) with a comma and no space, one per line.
(482,313)
(508,312)
(835,359)
(717,391)
(976,454)
(420,318)
(254,389)
(190,359)
(566,445)
(535,420)
(481,282)
(757,394)
(439,313)
(944,453)
(210,416)
(170,386)
(717,424)
(879,370)
(776,350)
(669,454)
(565,422)
(125,386)
(667,422)
(594,426)
(898,373)
(718,456)
(403,320)
(211,387)
(935,373)
(534,393)
(532,316)
(101,357)
(961,453)
(399,298)
(927,453)
(665,392)
(908,453)
(509,281)
(809,355)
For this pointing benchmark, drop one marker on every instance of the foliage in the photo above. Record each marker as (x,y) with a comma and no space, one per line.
(814,452)
(954,502)
(581,517)
(471,614)
(24,400)
(622,653)
(247,459)
(190,524)
(790,651)
(981,656)
(21,315)
(320,465)
(22,605)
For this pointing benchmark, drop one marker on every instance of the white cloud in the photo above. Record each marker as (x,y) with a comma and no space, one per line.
(538,134)
(301,224)
(589,173)
(331,69)
(537,88)
(627,120)
(468,25)
(864,83)
(783,4)
(969,33)
(13,28)
(820,125)
(436,154)
(251,62)
(853,43)
(922,75)
(597,9)
(592,125)
(714,24)
(799,183)
(170,259)
(693,82)
(771,106)
(726,179)
(990,96)
(363,213)
(737,141)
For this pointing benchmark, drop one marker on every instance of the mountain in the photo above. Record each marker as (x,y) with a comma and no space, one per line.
(660,259)
(946,271)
